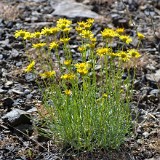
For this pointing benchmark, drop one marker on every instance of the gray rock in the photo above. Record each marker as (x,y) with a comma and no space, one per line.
(153,77)
(72,9)
(17,117)
(2,91)
(145,134)
(17,91)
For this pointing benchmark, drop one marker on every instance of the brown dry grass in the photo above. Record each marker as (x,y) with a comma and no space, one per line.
(8,12)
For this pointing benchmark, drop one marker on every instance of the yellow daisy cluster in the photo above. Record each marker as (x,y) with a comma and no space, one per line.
(23,34)
(30,66)
(68,76)
(82,68)
(120,30)
(47,74)
(124,56)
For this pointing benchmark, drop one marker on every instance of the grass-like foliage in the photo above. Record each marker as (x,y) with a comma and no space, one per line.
(86,101)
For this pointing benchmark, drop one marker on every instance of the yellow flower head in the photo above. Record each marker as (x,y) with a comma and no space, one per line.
(109,33)
(120,30)
(20,33)
(64,40)
(125,39)
(69,76)
(36,34)
(30,66)
(134,53)
(28,36)
(79,29)
(68,92)
(90,20)
(46,31)
(82,68)
(39,45)
(47,74)
(54,30)
(124,56)
(103,51)
(140,36)
(53,45)
(67,62)
(63,23)
(87,34)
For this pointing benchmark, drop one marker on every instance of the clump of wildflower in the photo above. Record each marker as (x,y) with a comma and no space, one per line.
(20,33)
(30,66)
(47,74)
(68,92)
(124,56)
(54,30)
(39,45)
(103,51)
(68,76)
(109,33)
(53,45)
(120,30)
(140,36)
(134,53)
(78,29)
(64,40)
(82,68)
(67,62)
(90,20)
(125,39)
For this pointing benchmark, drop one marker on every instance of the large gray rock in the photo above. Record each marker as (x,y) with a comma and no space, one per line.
(71,9)
(154,76)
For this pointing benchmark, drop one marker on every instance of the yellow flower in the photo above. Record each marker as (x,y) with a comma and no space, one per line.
(123,56)
(20,33)
(47,74)
(63,23)
(67,62)
(64,40)
(140,36)
(109,33)
(39,45)
(53,45)
(79,29)
(103,51)
(54,30)
(30,66)
(69,76)
(87,34)
(82,68)
(28,36)
(68,92)
(90,20)
(120,30)
(36,34)
(105,95)
(134,53)
(46,31)
(125,39)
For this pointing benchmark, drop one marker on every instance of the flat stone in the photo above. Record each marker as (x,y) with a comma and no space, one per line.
(72,9)
(154,77)
(16,117)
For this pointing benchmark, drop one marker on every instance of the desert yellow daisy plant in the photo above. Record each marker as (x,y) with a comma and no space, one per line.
(86,108)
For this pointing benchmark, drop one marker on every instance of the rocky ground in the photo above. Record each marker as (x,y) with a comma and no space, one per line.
(19,95)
